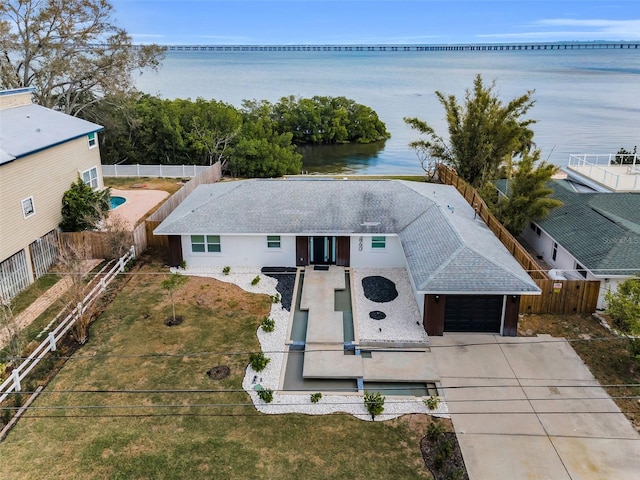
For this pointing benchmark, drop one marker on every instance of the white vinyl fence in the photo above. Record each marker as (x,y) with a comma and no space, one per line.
(12,384)
(155,171)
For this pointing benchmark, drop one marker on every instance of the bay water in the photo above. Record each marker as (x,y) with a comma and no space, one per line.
(587,100)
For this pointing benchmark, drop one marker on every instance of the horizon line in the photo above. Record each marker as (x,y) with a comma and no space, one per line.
(545,42)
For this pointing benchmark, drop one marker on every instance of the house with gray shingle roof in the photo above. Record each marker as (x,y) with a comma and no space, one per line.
(593,235)
(42,152)
(463,278)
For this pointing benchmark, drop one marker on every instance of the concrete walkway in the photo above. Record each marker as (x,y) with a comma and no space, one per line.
(528,408)
(324,356)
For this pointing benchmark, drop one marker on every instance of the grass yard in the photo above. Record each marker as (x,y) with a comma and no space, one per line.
(171,185)
(32,292)
(125,435)
(606,355)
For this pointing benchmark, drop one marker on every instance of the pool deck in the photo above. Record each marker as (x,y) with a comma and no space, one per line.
(138,204)
(324,350)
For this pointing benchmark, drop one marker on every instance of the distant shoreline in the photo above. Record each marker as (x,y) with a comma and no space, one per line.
(469,47)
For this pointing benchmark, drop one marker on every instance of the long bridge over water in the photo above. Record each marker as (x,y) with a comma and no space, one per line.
(403,48)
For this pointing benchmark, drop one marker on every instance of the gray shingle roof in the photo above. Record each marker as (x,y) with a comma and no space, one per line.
(30,128)
(447,248)
(601,230)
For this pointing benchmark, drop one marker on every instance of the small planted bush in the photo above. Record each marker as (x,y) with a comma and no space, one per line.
(255,280)
(275,298)
(226,270)
(268,324)
(315,397)
(258,361)
(374,403)
(435,431)
(432,402)
(266,395)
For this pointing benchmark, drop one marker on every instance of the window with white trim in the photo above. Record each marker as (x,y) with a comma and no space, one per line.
(90,177)
(581,270)
(378,243)
(205,243)
(92,140)
(28,208)
(273,241)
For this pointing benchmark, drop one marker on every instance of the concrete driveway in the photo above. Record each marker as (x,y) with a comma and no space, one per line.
(528,408)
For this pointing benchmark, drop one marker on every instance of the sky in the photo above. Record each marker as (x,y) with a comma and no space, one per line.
(244,22)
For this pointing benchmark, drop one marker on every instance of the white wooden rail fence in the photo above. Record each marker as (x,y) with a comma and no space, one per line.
(12,384)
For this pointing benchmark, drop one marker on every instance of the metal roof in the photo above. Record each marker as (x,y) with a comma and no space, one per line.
(30,128)
(447,248)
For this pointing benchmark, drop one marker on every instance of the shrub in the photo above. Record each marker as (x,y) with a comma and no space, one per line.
(432,402)
(435,431)
(315,397)
(268,324)
(275,298)
(83,208)
(226,270)
(266,395)
(624,306)
(6,416)
(258,361)
(634,348)
(255,280)
(374,403)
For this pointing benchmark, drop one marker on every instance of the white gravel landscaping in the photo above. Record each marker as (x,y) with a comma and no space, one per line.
(403,322)
(273,345)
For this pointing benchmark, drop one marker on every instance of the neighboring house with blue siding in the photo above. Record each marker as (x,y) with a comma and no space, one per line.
(42,152)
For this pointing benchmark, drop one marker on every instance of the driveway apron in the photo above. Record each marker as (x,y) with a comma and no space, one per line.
(529,408)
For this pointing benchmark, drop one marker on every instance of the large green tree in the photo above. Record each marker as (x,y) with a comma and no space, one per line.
(261,150)
(71,51)
(528,196)
(83,208)
(484,132)
(322,120)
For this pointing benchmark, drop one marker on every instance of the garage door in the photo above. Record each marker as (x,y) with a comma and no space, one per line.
(473,313)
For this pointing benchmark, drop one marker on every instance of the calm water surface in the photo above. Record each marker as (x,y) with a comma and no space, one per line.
(587,101)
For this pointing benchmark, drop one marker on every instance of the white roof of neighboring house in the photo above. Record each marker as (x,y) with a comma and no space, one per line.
(30,128)
(448,249)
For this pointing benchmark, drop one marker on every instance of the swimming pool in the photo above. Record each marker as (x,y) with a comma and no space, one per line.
(116,201)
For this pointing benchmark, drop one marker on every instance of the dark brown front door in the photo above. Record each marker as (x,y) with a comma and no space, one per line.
(302,251)
(343,253)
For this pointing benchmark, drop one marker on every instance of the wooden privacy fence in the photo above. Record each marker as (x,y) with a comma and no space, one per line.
(562,296)
(12,384)
(211,175)
(558,296)
(91,244)
(524,258)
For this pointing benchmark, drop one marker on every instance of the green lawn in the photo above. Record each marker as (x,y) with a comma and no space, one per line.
(126,352)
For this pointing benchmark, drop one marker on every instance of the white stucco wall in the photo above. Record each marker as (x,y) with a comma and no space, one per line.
(243,251)
(252,251)
(390,257)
